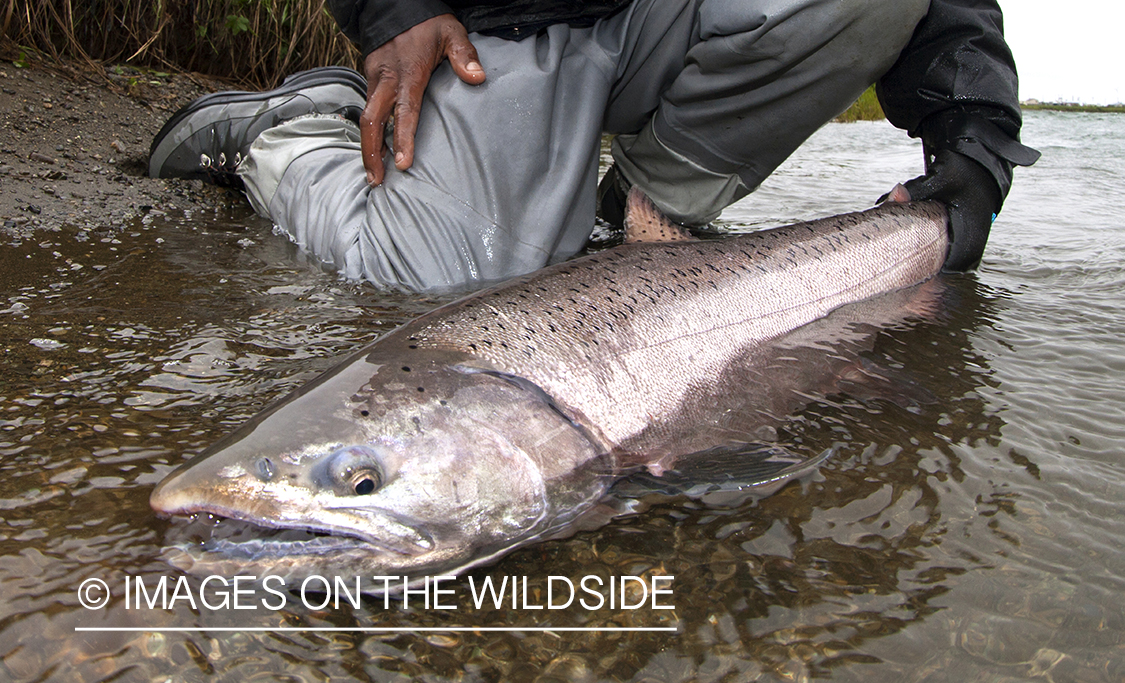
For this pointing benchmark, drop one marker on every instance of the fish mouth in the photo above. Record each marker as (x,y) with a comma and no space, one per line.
(236,534)
(278,543)
(265,523)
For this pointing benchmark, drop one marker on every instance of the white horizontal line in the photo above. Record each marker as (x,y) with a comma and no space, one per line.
(371,629)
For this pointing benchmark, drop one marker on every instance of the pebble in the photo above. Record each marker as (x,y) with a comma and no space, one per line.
(47,344)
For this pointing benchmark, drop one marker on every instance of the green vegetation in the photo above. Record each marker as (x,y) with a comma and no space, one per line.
(1069,106)
(866,108)
(255,42)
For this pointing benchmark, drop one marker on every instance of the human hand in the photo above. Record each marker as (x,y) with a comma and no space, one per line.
(397,73)
(972,197)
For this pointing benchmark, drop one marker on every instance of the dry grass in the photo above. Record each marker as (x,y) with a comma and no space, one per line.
(255,42)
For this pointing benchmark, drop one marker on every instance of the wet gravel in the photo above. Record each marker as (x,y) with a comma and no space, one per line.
(74,147)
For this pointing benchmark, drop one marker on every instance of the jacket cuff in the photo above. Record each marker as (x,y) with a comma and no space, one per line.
(962,131)
(380,21)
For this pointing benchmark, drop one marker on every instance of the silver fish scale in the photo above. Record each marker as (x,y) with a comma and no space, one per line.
(621,339)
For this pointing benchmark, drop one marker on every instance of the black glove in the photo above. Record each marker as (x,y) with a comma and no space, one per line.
(969,168)
(972,197)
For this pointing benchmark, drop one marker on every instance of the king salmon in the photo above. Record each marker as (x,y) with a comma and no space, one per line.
(501,419)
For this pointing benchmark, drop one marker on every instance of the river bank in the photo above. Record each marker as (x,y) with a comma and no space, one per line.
(1072,107)
(74,146)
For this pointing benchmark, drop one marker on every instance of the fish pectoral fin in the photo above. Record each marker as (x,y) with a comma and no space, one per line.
(645,223)
(866,380)
(725,476)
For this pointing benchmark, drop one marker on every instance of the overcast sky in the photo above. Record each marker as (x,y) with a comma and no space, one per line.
(1071,51)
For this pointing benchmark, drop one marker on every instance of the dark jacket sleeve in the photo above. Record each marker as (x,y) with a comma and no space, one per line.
(370,23)
(955,86)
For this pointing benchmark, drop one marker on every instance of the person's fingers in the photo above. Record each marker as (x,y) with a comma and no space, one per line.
(969,235)
(370,144)
(926,187)
(407,108)
(463,56)
(373,121)
(397,75)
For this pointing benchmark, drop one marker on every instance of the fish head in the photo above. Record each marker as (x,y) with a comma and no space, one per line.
(388,468)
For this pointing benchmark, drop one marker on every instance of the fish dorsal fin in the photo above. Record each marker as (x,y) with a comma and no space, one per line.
(645,223)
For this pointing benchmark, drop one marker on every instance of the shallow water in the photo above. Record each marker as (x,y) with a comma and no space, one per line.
(977,537)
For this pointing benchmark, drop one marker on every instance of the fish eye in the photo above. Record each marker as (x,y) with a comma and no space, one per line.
(355,470)
(362,480)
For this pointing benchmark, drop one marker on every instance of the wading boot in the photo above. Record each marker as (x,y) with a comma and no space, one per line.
(612,193)
(209,137)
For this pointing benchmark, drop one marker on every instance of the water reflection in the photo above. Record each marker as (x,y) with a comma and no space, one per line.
(793,585)
(974,536)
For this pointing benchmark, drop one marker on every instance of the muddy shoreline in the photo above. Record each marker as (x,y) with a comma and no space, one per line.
(74,147)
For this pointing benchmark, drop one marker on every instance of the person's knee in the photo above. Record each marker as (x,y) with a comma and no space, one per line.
(861,30)
(878,30)
(896,19)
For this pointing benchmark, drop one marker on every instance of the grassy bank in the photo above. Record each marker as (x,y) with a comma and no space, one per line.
(1088,108)
(255,42)
(866,108)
